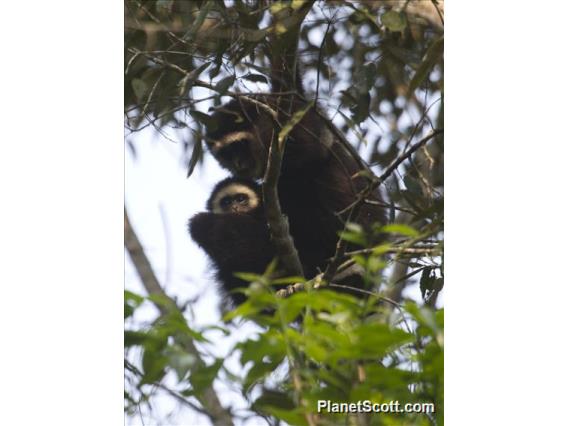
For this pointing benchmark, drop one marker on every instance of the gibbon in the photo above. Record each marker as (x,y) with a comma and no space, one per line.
(234,233)
(319,177)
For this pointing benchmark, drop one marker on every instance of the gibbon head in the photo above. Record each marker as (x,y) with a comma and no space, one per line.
(240,137)
(235,195)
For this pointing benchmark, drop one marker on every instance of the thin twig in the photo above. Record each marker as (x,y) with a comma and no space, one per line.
(367,292)
(320,57)
(397,250)
(354,208)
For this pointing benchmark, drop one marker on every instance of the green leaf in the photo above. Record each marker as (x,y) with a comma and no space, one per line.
(162,300)
(244,310)
(223,85)
(360,110)
(140,88)
(196,156)
(288,280)
(426,281)
(154,364)
(375,264)
(247,276)
(198,21)
(214,72)
(394,21)
(413,186)
(399,228)
(291,308)
(130,296)
(328,301)
(354,227)
(265,354)
(270,344)
(392,380)
(223,330)
(431,322)
(204,119)
(372,341)
(354,238)
(353,234)
(187,82)
(293,417)
(134,338)
(202,377)
(274,398)
(433,55)
(337,318)
(257,78)
(296,118)
(381,249)
(362,14)
(131,302)
(180,360)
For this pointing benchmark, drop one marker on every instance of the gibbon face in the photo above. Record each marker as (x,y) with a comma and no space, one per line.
(234,195)
(236,153)
(235,142)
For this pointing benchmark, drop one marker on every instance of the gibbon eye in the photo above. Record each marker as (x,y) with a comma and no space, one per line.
(241,198)
(225,202)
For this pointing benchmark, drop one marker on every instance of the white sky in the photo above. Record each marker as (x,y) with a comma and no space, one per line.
(157,192)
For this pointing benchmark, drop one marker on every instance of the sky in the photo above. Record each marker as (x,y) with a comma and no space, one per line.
(160,199)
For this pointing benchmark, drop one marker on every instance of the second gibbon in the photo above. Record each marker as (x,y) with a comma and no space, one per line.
(234,233)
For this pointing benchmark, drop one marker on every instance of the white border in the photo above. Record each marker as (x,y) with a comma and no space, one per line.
(61,168)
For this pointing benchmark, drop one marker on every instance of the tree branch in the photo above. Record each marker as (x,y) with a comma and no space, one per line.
(142,264)
(277,222)
(283,71)
(211,404)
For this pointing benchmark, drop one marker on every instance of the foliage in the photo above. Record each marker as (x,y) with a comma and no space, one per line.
(377,72)
(333,346)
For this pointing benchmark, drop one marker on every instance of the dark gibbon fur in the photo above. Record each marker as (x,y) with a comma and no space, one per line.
(318,176)
(234,233)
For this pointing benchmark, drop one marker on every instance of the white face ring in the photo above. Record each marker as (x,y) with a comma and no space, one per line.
(234,188)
